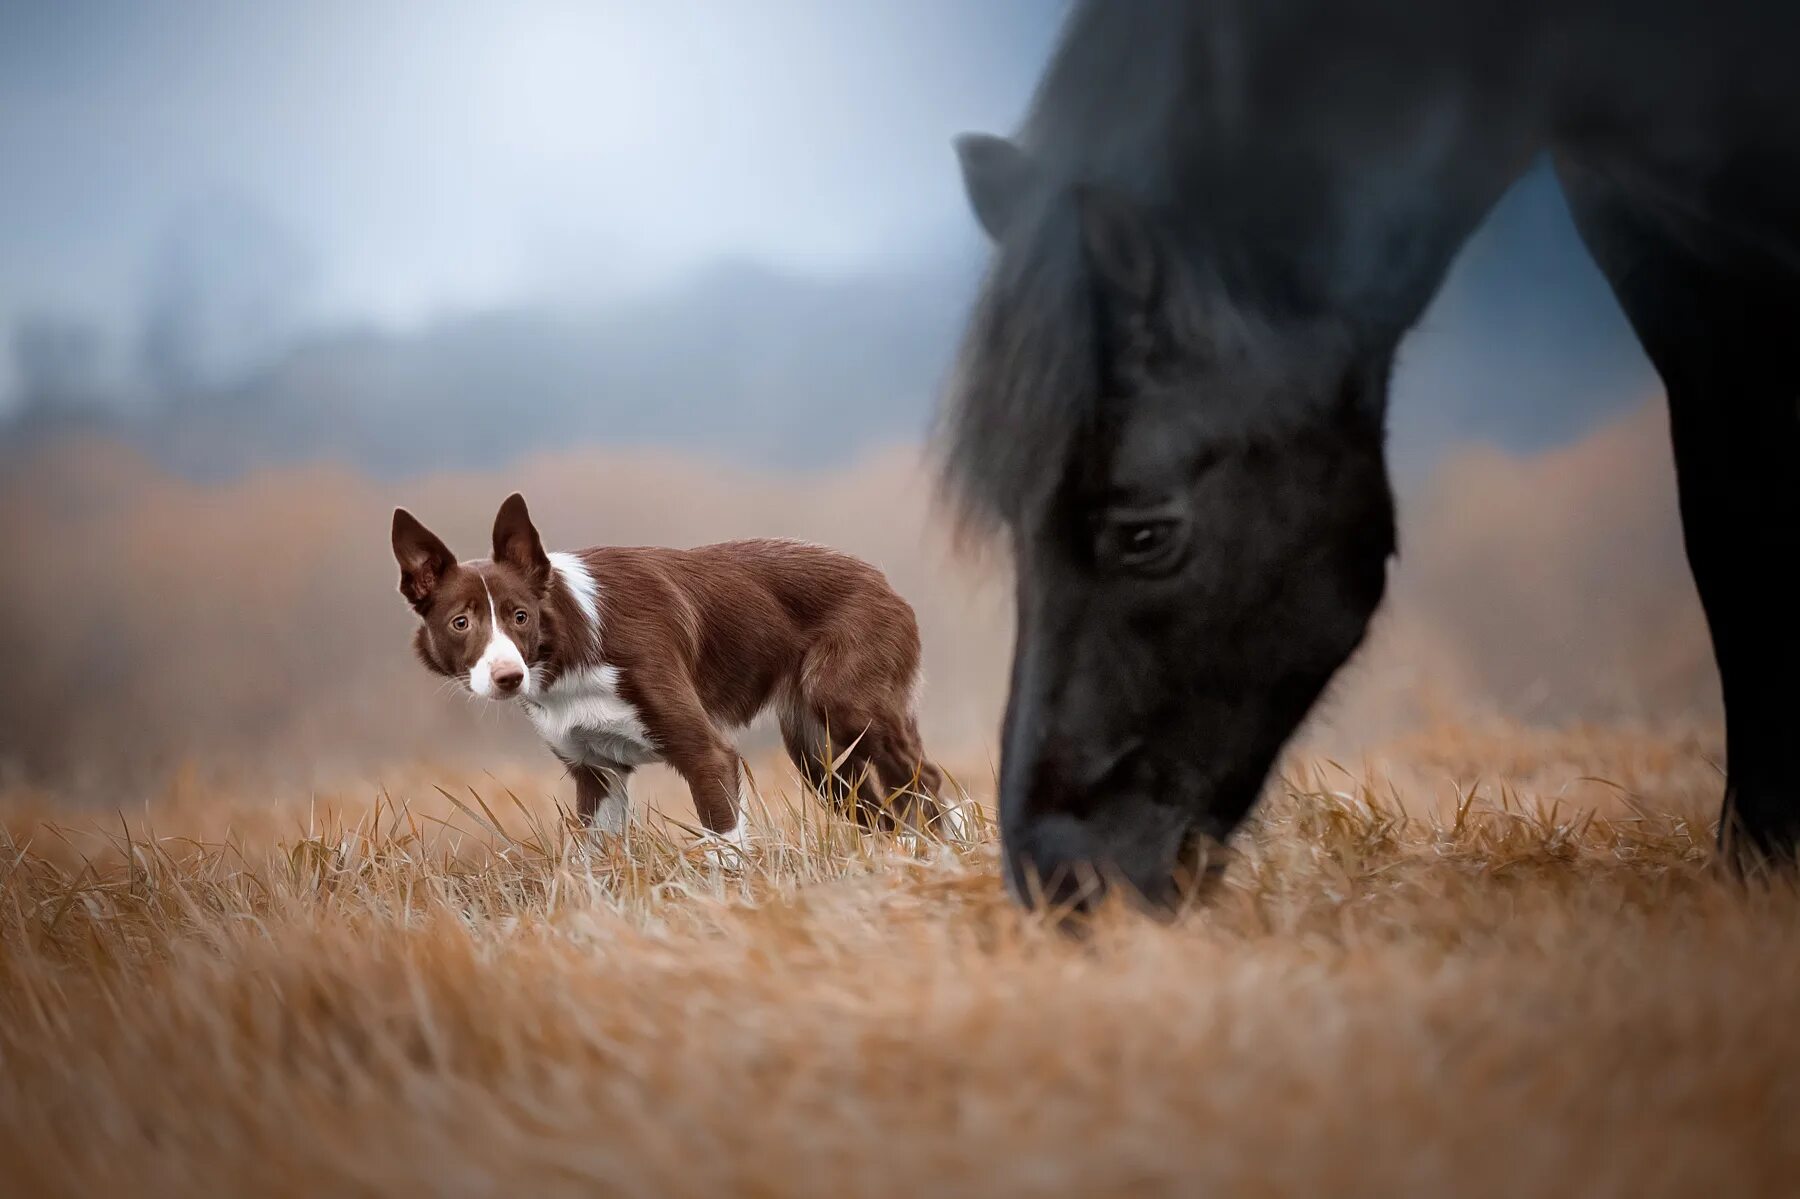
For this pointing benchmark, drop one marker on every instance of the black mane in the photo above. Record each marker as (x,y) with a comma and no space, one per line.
(1241,174)
(1027,377)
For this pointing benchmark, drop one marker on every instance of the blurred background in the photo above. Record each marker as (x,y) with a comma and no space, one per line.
(678,272)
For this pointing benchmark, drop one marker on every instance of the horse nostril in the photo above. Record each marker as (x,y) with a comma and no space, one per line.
(1073,888)
(1054,863)
(1052,886)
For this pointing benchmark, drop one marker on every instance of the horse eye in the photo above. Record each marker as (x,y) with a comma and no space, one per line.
(1139,544)
(1142,539)
(460,624)
(521,616)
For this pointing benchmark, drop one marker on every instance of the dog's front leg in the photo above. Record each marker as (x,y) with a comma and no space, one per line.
(601,796)
(688,741)
(714,774)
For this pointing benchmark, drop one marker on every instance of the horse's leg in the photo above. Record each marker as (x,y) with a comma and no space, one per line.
(1722,325)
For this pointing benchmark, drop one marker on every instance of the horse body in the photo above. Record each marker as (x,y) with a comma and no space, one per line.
(1212,232)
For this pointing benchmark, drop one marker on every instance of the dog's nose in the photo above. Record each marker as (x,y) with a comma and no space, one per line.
(507,679)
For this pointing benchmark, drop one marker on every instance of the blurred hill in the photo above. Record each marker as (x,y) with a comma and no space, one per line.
(223,370)
(149,620)
(1561,577)
(777,368)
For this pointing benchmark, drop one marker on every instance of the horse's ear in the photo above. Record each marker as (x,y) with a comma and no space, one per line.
(1120,245)
(998,177)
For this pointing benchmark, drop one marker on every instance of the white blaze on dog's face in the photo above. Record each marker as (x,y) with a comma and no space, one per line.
(501,668)
(481,622)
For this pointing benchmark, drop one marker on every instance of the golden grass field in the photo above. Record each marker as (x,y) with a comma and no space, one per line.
(1541,987)
(278,916)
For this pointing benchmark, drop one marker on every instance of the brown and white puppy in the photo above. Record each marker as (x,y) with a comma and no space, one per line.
(624,656)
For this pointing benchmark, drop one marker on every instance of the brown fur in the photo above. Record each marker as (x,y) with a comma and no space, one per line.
(703,640)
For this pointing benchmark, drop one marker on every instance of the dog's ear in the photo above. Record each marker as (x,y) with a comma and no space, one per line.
(516,542)
(425,562)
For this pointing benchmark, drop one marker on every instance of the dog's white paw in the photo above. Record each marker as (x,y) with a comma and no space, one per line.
(726,850)
(955,823)
(612,817)
(951,826)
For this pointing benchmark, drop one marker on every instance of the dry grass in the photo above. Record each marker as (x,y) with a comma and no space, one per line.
(1511,994)
(1483,962)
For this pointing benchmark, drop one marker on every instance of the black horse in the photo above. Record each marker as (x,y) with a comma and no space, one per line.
(1216,225)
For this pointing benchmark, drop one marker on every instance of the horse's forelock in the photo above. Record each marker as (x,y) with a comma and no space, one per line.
(1027,385)
(1026,381)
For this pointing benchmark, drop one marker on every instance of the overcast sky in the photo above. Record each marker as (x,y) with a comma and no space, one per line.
(432,157)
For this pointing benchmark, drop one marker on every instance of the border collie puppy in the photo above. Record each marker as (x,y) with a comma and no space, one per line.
(624,656)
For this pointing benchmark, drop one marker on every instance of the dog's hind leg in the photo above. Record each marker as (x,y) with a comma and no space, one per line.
(839,766)
(809,747)
(948,816)
(912,785)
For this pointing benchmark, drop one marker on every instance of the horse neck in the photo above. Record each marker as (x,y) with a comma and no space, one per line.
(1321,158)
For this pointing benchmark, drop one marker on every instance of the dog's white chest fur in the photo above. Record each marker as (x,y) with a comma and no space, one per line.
(583,718)
(581,715)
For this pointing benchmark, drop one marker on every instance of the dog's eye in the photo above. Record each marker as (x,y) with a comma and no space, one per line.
(460,624)
(521,616)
